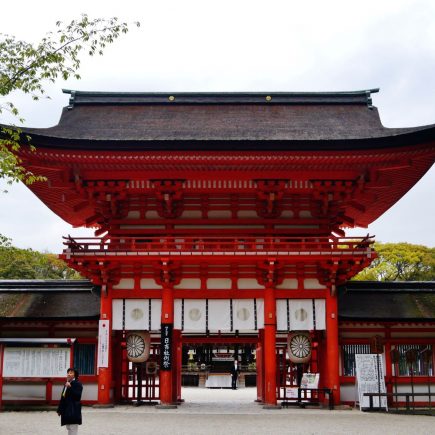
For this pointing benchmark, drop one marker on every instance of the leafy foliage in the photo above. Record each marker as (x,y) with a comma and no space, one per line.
(16,263)
(27,67)
(400,262)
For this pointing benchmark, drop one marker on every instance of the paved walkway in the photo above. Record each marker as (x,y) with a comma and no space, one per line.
(218,412)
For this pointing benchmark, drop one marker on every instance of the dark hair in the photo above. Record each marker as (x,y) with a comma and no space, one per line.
(76,372)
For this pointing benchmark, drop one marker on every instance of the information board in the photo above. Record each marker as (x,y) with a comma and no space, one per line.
(370,378)
(103,343)
(35,362)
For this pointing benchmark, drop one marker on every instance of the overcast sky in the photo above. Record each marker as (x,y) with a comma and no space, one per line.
(244,46)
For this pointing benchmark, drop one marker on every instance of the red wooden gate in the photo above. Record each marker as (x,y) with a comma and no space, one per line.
(140,382)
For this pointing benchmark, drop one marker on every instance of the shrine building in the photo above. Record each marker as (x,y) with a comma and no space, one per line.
(220,224)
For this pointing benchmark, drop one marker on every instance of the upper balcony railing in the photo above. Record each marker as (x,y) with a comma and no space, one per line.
(211,246)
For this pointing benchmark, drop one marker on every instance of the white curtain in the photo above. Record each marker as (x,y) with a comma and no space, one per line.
(281,315)
(194,315)
(156,314)
(301,314)
(320,314)
(117,314)
(219,315)
(133,314)
(243,314)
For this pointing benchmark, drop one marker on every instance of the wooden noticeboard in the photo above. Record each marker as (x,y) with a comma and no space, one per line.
(35,362)
(370,378)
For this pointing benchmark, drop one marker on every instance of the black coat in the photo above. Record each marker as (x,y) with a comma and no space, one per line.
(70,408)
(235,372)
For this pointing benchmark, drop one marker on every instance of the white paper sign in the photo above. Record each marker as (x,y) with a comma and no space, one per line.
(35,362)
(103,343)
(370,377)
(310,380)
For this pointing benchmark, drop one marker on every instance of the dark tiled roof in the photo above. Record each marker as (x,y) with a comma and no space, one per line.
(387,301)
(40,299)
(133,121)
(358,300)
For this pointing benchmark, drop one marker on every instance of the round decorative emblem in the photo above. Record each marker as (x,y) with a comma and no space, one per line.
(136,314)
(243,314)
(138,346)
(301,314)
(299,347)
(194,314)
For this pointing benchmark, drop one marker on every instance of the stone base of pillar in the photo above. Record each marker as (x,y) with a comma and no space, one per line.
(170,406)
(103,405)
(272,407)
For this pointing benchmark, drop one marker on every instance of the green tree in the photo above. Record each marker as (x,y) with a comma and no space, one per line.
(400,262)
(28,67)
(16,263)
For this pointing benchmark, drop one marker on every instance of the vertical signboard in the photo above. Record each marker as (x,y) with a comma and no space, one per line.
(35,362)
(103,343)
(166,347)
(370,377)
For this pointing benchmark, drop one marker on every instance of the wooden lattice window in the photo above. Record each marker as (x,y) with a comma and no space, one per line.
(348,353)
(84,358)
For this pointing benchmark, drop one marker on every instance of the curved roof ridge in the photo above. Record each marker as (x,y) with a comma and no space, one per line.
(120,98)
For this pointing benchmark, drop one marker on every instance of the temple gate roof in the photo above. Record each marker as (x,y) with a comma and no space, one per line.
(219,121)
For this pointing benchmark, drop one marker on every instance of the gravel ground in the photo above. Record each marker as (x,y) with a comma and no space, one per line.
(218,412)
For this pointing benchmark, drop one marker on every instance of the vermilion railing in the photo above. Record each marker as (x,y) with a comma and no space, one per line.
(213,245)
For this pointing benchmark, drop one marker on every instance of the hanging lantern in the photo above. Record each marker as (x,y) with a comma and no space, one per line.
(411,356)
(377,344)
(395,356)
(299,347)
(138,346)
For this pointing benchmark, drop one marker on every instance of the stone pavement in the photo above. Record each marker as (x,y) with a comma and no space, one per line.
(218,412)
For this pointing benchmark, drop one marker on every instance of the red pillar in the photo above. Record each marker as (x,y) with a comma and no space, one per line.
(176,381)
(105,373)
(49,392)
(259,366)
(332,348)
(388,364)
(269,347)
(117,366)
(166,376)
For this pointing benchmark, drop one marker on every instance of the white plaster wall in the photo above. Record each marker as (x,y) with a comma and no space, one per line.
(313,284)
(288,284)
(149,283)
(305,214)
(219,214)
(247,214)
(191,214)
(151,214)
(90,391)
(189,283)
(23,391)
(219,283)
(125,284)
(249,283)
(133,214)
(348,393)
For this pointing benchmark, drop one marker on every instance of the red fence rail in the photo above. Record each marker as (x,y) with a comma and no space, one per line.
(209,245)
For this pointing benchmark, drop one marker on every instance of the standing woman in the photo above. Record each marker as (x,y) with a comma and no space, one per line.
(70,408)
